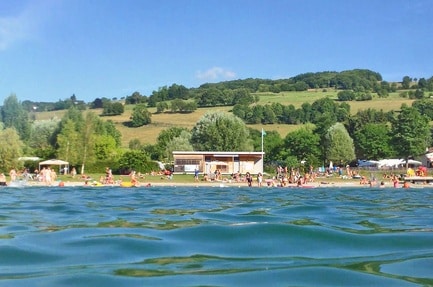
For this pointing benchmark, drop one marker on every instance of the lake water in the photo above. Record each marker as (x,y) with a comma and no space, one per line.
(213,236)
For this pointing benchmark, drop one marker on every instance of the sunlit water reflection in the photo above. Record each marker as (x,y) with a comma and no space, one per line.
(212,236)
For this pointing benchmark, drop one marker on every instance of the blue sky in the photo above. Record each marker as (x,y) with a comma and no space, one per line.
(51,49)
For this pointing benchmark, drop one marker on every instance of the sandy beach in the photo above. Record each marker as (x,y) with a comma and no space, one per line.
(174,183)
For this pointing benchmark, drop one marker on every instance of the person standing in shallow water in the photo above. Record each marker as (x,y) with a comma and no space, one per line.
(259,179)
(13,174)
(249,179)
(2,179)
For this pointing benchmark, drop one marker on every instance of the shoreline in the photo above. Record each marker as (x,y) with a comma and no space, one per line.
(174,183)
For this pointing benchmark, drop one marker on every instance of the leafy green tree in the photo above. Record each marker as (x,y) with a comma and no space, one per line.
(364,96)
(69,144)
(339,145)
(76,137)
(179,143)
(346,95)
(343,112)
(105,147)
(256,115)
(411,132)
(138,161)
(134,144)
(418,94)
(218,131)
(243,96)
(108,128)
(100,103)
(167,135)
(272,145)
(306,113)
(363,117)
(97,104)
(158,96)
(304,145)
(161,107)
(177,92)
(210,98)
(163,141)
(87,139)
(178,105)
(189,107)
(425,107)
(290,115)
(112,109)
(405,84)
(135,98)
(13,115)
(291,162)
(41,138)
(241,111)
(324,106)
(10,149)
(373,141)
(140,116)
(269,116)
(154,151)
(75,115)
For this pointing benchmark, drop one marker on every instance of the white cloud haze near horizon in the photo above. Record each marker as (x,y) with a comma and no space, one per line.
(216,74)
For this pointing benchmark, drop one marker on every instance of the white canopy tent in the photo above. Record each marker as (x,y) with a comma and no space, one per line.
(60,163)
(391,163)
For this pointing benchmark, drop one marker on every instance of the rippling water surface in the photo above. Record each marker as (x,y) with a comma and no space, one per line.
(194,236)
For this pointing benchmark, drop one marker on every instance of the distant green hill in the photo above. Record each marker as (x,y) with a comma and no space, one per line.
(161,121)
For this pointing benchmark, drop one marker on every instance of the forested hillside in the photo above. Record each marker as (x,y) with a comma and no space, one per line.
(373,118)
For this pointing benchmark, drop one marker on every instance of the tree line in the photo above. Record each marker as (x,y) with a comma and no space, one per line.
(357,84)
(91,143)
(329,132)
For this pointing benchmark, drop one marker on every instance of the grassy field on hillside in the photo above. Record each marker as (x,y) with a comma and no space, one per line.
(392,102)
(148,134)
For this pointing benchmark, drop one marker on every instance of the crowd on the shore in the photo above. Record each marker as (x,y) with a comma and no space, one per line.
(294,177)
(283,177)
(46,176)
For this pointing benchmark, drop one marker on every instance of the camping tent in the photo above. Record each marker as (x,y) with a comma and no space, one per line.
(60,163)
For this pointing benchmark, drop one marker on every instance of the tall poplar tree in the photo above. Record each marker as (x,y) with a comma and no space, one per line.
(339,146)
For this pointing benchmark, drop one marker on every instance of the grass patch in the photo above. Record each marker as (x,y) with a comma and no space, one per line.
(149,133)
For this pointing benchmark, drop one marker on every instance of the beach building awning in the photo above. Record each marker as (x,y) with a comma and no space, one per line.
(218,162)
(54,162)
(29,158)
(58,162)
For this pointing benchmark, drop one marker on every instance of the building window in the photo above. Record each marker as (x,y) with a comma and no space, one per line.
(187,162)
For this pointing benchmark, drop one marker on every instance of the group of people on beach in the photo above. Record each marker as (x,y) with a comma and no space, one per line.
(46,176)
